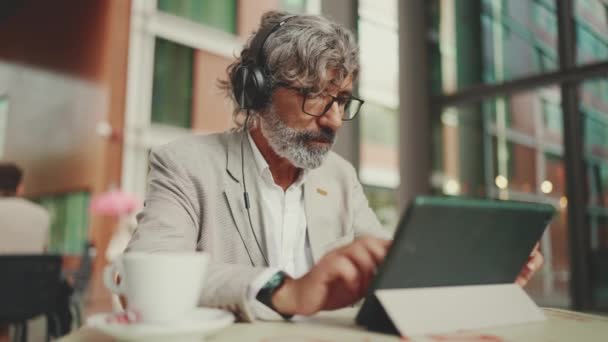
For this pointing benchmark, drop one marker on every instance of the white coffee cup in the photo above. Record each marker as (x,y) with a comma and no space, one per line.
(159,287)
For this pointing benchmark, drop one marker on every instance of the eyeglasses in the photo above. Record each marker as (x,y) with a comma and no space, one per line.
(318,104)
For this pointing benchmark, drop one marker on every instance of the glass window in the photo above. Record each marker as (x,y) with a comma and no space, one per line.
(379,49)
(594,107)
(458,157)
(380,124)
(218,14)
(69,221)
(554,182)
(499,146)
(172,85)
(550,286)
(512,147)
(596,135)
(516,172)
(591,20)
(379,140)
(509,40)
(598,183)
(552,118)
(504,148)
(599,259)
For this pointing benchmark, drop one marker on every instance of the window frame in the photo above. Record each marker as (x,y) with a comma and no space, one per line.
(569,76)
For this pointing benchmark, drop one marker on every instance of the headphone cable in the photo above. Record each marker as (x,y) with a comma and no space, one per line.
(246,194)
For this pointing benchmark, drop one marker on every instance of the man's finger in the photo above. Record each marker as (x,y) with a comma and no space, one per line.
(366,264)
(535,262)
(377,248)
(360,255)
(342,268)
(524,276)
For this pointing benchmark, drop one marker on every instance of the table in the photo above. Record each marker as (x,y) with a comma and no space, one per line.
(562,325)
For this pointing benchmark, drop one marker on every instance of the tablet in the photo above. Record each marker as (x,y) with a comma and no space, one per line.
(453,241)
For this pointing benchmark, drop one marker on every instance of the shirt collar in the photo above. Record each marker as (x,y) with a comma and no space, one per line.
(263,168)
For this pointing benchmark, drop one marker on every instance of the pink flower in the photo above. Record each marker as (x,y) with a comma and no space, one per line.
(114,203)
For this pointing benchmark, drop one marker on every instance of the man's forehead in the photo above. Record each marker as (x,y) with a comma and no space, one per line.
(345,84)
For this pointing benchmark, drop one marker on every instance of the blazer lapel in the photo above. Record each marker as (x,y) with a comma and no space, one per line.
(317,201)
(234,197)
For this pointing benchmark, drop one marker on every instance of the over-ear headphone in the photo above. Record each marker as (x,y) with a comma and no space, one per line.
(251,82)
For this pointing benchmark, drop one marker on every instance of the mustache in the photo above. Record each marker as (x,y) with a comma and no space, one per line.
(325,134)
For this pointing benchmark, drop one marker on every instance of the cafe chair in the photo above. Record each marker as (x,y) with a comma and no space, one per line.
(29,288)
(80,282)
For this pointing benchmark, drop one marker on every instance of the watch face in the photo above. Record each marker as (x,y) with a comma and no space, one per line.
(275,281)
(265,294)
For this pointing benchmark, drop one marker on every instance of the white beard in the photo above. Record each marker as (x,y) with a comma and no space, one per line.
(293,144)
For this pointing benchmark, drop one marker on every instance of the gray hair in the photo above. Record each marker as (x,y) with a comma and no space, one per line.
(303,52)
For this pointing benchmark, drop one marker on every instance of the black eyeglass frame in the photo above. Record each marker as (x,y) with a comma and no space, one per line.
(306,91)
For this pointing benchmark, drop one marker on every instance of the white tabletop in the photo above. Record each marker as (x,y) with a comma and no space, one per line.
(561,325)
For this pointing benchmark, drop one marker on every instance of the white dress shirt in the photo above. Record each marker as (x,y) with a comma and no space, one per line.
(284,231)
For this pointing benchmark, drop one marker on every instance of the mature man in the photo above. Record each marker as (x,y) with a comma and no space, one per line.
(285,219)
(24,226)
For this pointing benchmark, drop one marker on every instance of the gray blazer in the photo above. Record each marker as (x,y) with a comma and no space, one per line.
(195,201)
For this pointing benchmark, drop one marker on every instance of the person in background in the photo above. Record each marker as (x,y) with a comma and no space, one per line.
(24,225)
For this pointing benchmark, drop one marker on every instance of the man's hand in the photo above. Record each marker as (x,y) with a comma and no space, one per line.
(339,279)
(535,261)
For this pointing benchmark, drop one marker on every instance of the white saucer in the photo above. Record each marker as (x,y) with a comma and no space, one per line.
(200,323)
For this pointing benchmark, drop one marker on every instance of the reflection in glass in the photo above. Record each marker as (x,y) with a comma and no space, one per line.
(510,148)
(498,41)
(598,183)
(594,110)
(379,141)
(591,20)
(555,174)
(517,172)
(599,259)
(379,120)
(550,285)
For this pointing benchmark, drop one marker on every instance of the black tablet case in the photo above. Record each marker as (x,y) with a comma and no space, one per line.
(448,241)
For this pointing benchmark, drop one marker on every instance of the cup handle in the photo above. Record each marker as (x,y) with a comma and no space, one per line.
(108,278)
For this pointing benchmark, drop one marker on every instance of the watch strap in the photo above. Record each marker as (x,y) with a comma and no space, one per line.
(265,294)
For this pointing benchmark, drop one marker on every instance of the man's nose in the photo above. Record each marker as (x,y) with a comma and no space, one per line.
(333,117)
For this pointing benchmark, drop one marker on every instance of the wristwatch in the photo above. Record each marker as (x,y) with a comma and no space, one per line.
(264,296)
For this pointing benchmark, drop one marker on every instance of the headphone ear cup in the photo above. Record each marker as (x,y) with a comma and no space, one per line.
(258,88)
(239,86)
(250,87)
